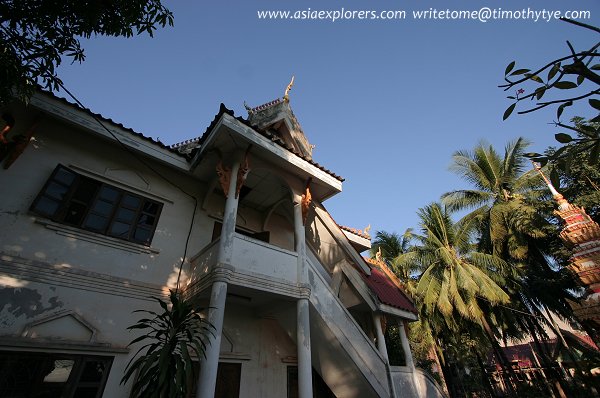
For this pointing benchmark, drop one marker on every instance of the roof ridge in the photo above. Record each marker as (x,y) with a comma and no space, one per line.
(103,118)
(264,106)
(358,232)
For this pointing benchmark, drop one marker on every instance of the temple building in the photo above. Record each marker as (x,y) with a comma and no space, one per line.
(98,218)
(582,235)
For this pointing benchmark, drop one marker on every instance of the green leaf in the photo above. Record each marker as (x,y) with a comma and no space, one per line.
(532,155)
(580,80)
(509,68)
(562,107)
(596,119)
(563,138)
(559,152)
(594,153)
(535,78)
(508,111)
(520,72)
(565,85)
(539,92)
(552,72)
(595,67)
(595,103)
(555,178)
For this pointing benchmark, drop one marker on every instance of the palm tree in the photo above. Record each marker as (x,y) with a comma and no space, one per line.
(391,245)
(508,224)
(453,276)
(505,218)
(501,186)
(453,283)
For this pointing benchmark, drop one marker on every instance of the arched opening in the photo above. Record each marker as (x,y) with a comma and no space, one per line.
(266,210)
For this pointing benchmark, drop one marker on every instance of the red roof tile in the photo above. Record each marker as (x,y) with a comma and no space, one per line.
(358,232)
(387,291)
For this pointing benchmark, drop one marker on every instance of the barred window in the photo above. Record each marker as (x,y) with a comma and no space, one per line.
(83,202)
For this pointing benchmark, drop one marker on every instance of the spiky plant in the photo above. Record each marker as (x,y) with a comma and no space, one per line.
(163,364)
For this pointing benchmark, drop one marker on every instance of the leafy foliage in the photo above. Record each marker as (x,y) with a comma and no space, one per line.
(508,224)
(35,35)
(454,276)
(164,368)
(391,244)
(574,78)
(553,76)
(578,180)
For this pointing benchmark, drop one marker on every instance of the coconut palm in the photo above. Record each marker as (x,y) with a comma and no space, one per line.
(391,244)
(454,277)
(453,284)
(503,207)
(505,218)
(501,188)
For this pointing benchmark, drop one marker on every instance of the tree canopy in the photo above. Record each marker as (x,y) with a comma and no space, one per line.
(567,79)
(35,36)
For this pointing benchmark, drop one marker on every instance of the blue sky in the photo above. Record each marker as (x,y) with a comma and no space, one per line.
(385,102)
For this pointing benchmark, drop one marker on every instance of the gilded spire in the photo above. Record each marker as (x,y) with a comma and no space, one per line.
(286,96)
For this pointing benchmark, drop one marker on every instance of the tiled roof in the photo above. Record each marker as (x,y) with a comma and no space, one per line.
(174,148)
(386,290)
(355,231)
(109,120)
(223,110)
(267,105)
(386,270)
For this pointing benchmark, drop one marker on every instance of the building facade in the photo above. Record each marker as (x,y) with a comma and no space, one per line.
(97,218)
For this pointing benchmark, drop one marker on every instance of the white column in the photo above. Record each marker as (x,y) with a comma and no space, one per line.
(302,311)
(408,356)
(304,356)
(382,348)
(405,345)
(300,238)
(208,365)
(380,337)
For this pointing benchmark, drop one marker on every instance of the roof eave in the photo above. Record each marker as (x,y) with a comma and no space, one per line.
(86,120)
(388,309)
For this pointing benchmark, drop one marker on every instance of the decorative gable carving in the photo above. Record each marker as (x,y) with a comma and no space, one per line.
(277,118)
(64,325)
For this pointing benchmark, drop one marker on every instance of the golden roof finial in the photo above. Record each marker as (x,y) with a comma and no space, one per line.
(286,96)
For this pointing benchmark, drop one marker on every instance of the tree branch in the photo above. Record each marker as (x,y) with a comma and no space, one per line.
(583,25)
(591,52)
(545,104)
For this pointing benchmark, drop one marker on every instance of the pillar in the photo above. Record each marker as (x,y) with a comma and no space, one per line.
(300,239)
(405,345)
(408,357)
(304,355)
(382,348)
(305,389)
(380,337)
(207,378)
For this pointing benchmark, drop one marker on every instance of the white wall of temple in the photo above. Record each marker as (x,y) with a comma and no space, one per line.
(23,237)
(266,347)
(320,239)
(58,317)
